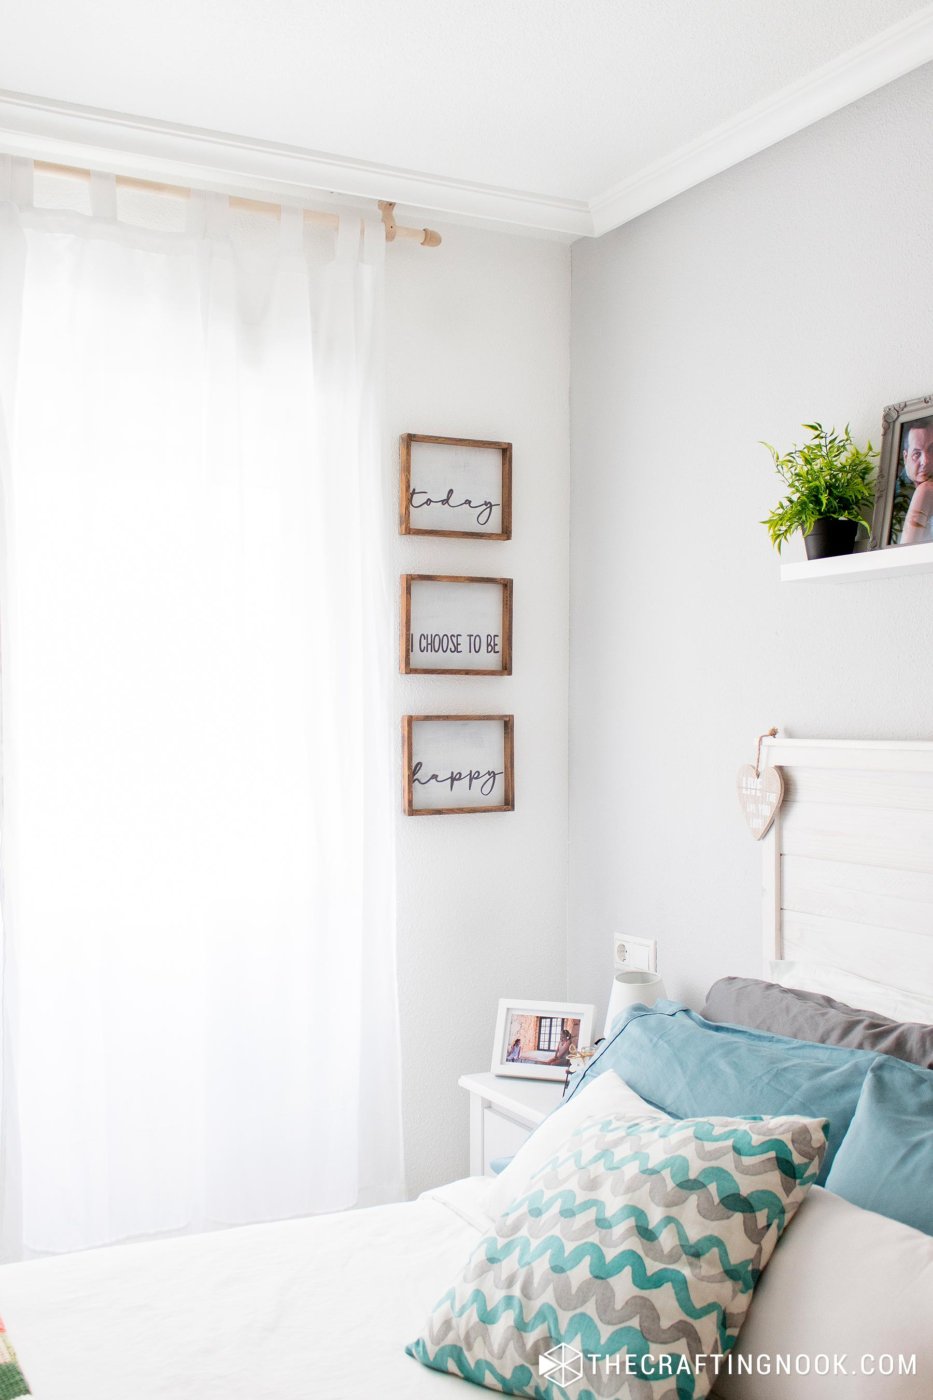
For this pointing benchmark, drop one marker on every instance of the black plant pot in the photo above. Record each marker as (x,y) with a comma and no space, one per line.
(830,537)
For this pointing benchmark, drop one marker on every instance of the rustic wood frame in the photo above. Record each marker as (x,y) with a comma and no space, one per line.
(508,754)
(893,420)
(405,628)
(405,525)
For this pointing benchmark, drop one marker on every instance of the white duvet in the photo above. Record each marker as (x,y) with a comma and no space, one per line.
(322,1309)
(317,1309)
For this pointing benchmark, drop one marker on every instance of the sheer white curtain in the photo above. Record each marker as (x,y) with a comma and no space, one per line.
(199,1011)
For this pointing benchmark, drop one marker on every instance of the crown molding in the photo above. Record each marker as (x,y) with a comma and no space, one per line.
(42,129)
(861,70)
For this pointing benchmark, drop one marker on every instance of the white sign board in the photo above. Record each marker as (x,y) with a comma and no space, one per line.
(457,763)
(456,625)
(456,486)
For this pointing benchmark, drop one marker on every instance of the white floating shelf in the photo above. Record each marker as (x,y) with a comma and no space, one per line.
(897,562)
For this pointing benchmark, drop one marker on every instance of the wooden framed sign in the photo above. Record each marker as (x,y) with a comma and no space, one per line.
(455,486)
(457,763)
(456,626)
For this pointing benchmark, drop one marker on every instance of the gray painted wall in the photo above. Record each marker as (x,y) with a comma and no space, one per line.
(798,285)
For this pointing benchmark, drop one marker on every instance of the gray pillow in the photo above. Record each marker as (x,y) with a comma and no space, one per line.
(764,1006)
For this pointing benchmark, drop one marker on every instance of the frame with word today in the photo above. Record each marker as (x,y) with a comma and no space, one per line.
(455,626)
(460,487)
(457,763)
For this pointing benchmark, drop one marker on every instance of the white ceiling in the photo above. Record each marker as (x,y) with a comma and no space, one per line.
(562,99)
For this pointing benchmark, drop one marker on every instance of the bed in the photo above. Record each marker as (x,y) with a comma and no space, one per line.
(324,1307)
(321,1307)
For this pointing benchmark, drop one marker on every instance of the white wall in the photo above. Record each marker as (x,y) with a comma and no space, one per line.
(798,285)
(479,335)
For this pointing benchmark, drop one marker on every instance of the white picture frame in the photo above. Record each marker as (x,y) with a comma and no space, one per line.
(530,1035)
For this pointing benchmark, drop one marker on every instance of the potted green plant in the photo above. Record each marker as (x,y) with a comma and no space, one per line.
(831,486)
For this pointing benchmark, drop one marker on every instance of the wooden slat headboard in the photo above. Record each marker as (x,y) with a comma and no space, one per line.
(848,863)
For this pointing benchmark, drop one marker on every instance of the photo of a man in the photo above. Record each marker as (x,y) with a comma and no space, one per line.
(912,518)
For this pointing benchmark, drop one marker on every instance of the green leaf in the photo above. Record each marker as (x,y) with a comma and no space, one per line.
(829,475)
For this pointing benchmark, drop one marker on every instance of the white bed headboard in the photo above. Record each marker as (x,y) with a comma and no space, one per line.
(848,863)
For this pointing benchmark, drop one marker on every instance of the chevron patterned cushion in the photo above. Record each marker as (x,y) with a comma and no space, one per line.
(627,1266)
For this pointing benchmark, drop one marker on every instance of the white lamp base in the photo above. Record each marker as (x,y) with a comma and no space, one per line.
(633,989)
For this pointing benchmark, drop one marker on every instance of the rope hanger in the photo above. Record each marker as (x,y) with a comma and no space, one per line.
(771,734)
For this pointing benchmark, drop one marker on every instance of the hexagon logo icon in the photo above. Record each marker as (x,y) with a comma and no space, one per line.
(562,1364)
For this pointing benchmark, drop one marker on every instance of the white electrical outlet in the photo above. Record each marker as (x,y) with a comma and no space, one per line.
(631,953)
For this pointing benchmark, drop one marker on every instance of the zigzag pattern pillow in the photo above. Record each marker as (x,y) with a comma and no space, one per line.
(628,1265)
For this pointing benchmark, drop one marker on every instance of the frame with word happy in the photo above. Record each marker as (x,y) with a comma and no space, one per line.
(455,626)
(457,764)
(460,487)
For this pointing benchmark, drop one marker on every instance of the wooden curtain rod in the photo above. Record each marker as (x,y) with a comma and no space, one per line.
(427,237)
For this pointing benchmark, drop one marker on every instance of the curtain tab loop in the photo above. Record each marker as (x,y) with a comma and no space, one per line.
(103,195)
(374,242)
(208,214)
(21,182)
(348,238)
(291,229)
(196,213)
(216,214)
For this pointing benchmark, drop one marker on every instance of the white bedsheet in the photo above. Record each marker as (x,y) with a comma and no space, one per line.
(317,1309)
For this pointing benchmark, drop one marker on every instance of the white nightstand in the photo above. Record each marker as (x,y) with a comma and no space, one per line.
(503,1112)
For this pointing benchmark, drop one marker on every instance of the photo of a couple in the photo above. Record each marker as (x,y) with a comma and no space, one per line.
(540,1040)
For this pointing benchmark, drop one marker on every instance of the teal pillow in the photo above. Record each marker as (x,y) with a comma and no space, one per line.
(885,1163)
(692,1068)
(628,1263)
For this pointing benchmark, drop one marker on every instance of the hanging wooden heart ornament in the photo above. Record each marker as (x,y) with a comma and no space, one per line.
(760,791)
